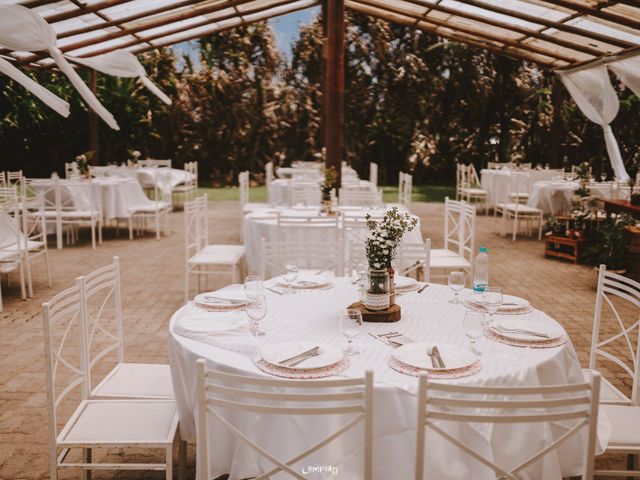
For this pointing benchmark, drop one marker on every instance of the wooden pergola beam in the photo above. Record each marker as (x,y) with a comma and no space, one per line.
(514,28)
(333,92)
(469,31)
(596,12)
(83,10)
(548,23)
(504,50)
(140,28)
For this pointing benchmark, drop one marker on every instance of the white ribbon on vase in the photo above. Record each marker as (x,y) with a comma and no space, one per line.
(121,63)
(22,29)
(591,89)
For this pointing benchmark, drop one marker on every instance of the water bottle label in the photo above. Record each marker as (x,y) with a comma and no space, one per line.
(479,287)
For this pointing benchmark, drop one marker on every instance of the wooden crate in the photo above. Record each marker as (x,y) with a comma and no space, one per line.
(565,247)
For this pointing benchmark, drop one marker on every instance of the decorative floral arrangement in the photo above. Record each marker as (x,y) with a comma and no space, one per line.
(330,176)
(82,161)
(135,155)
(385,235)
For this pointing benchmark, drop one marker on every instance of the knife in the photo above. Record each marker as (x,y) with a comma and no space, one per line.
(232,301)
(274,291)
(423,288)
(300,355)
(436,353)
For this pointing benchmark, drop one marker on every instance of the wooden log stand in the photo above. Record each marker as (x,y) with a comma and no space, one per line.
(389,315)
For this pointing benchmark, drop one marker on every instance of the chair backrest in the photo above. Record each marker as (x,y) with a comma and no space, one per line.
(621,342)
(191,174)
(195,226)
(8,199)
(373,173)
(71,170)
(460,228)
(314,255)
(414,258)
(304,193)
(356,257)
(154,163)
(64,352)
(3,178)
(268,173)
(14,178)
(100,295)
(162,186)
(220,394)
(243,183)
(359,198)
(442,405)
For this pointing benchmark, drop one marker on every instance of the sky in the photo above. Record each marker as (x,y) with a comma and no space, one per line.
(285,28)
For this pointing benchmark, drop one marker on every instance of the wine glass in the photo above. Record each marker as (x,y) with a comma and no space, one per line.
(457,281)
(492,299)
(256,310)
(253,285)
(473,324)
(290,275)
(350,327)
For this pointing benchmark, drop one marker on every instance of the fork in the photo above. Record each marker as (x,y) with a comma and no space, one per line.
(520,330)
(303,359)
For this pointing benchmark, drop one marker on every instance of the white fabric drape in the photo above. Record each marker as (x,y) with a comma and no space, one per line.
(628,70)
(591,89)
(50,98)
(121,63)
(21,29)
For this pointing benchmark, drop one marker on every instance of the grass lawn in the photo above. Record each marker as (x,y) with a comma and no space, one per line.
(421,193)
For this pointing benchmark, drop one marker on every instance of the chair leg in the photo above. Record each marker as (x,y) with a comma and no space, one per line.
(130,228)
(29,276)
(100,232)
(632,461)
(515,227)
(169,472)
(86,458)
(93,235)
(46,266)
(182,460)
(157,226)
(186,284)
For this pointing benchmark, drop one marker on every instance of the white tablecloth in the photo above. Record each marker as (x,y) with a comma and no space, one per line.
(497,183)
(313,315)
(554,196)
(279,189)
(263,224)
(145,175)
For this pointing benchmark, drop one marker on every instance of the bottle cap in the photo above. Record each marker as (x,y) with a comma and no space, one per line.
(483,249)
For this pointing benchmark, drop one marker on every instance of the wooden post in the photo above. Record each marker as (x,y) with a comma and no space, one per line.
(93,122)
(557,127)
(333,99)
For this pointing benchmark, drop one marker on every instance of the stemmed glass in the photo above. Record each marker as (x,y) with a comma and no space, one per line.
(290,275)
(492,299)
(457,281)
(256,310)
(253,285)
(473,324)
(350,327)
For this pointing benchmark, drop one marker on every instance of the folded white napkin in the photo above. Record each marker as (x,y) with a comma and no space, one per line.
(228,330)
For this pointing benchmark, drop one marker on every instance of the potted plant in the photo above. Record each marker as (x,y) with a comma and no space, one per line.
(381,248)
(82,162)
(611,244)
(330,176)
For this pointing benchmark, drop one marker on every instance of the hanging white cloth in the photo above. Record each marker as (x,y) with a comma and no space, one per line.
(50,98)
(627,70)
(591,89)
(22,29)
(121,63)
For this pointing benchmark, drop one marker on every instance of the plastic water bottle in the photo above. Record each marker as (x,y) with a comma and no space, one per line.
(481,271)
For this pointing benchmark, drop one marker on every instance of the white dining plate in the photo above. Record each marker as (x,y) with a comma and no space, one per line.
(520,303)
(404,283)
(415,355)
(277,352)
(222,299)
(500,326)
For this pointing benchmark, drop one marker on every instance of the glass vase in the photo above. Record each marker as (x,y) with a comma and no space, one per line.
(377,296)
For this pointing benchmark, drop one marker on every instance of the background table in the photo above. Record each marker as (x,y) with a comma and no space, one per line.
(497,183)
(313,315)
(554,196)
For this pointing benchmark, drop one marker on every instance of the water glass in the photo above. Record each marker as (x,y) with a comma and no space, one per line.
(290,275)
(350,327)
(256,310)
(492,298)
(473,324)
(253,285)
(457,281)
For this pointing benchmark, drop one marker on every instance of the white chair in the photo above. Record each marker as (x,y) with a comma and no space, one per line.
(157,209)
(96,424)
(245,186)
(359,198)
(154,163)
(304,193)
(619,347)
(459,240)
(313,256)
(202,259)
(71,170)
(442,406)
(34,236)
(512,208)
(12,254)
(468,186)
(100,294)
(373,173)
(268,178)
(188,189)
(353,236)
(219,394)
(414,259)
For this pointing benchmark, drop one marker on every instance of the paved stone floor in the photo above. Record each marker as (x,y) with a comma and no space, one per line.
(152,274)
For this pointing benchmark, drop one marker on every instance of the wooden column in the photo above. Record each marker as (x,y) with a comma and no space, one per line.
(557,127)
(93,122)
(333,95)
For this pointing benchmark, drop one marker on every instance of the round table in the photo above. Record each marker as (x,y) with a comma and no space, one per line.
(497,182)
(264,224)
(313,315)
(554,196)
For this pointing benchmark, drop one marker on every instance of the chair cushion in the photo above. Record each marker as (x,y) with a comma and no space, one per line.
(150,208)
(520,208)
(449,262)
(474,191)
(72,214)
(142,380)
(218,255)
(121,422)
(624,425)
(608,393)
(441,252)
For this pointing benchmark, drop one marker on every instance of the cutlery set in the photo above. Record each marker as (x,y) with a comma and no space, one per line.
(301,357)
(522,331)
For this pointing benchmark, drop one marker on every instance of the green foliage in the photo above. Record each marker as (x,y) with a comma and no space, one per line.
(611,243)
